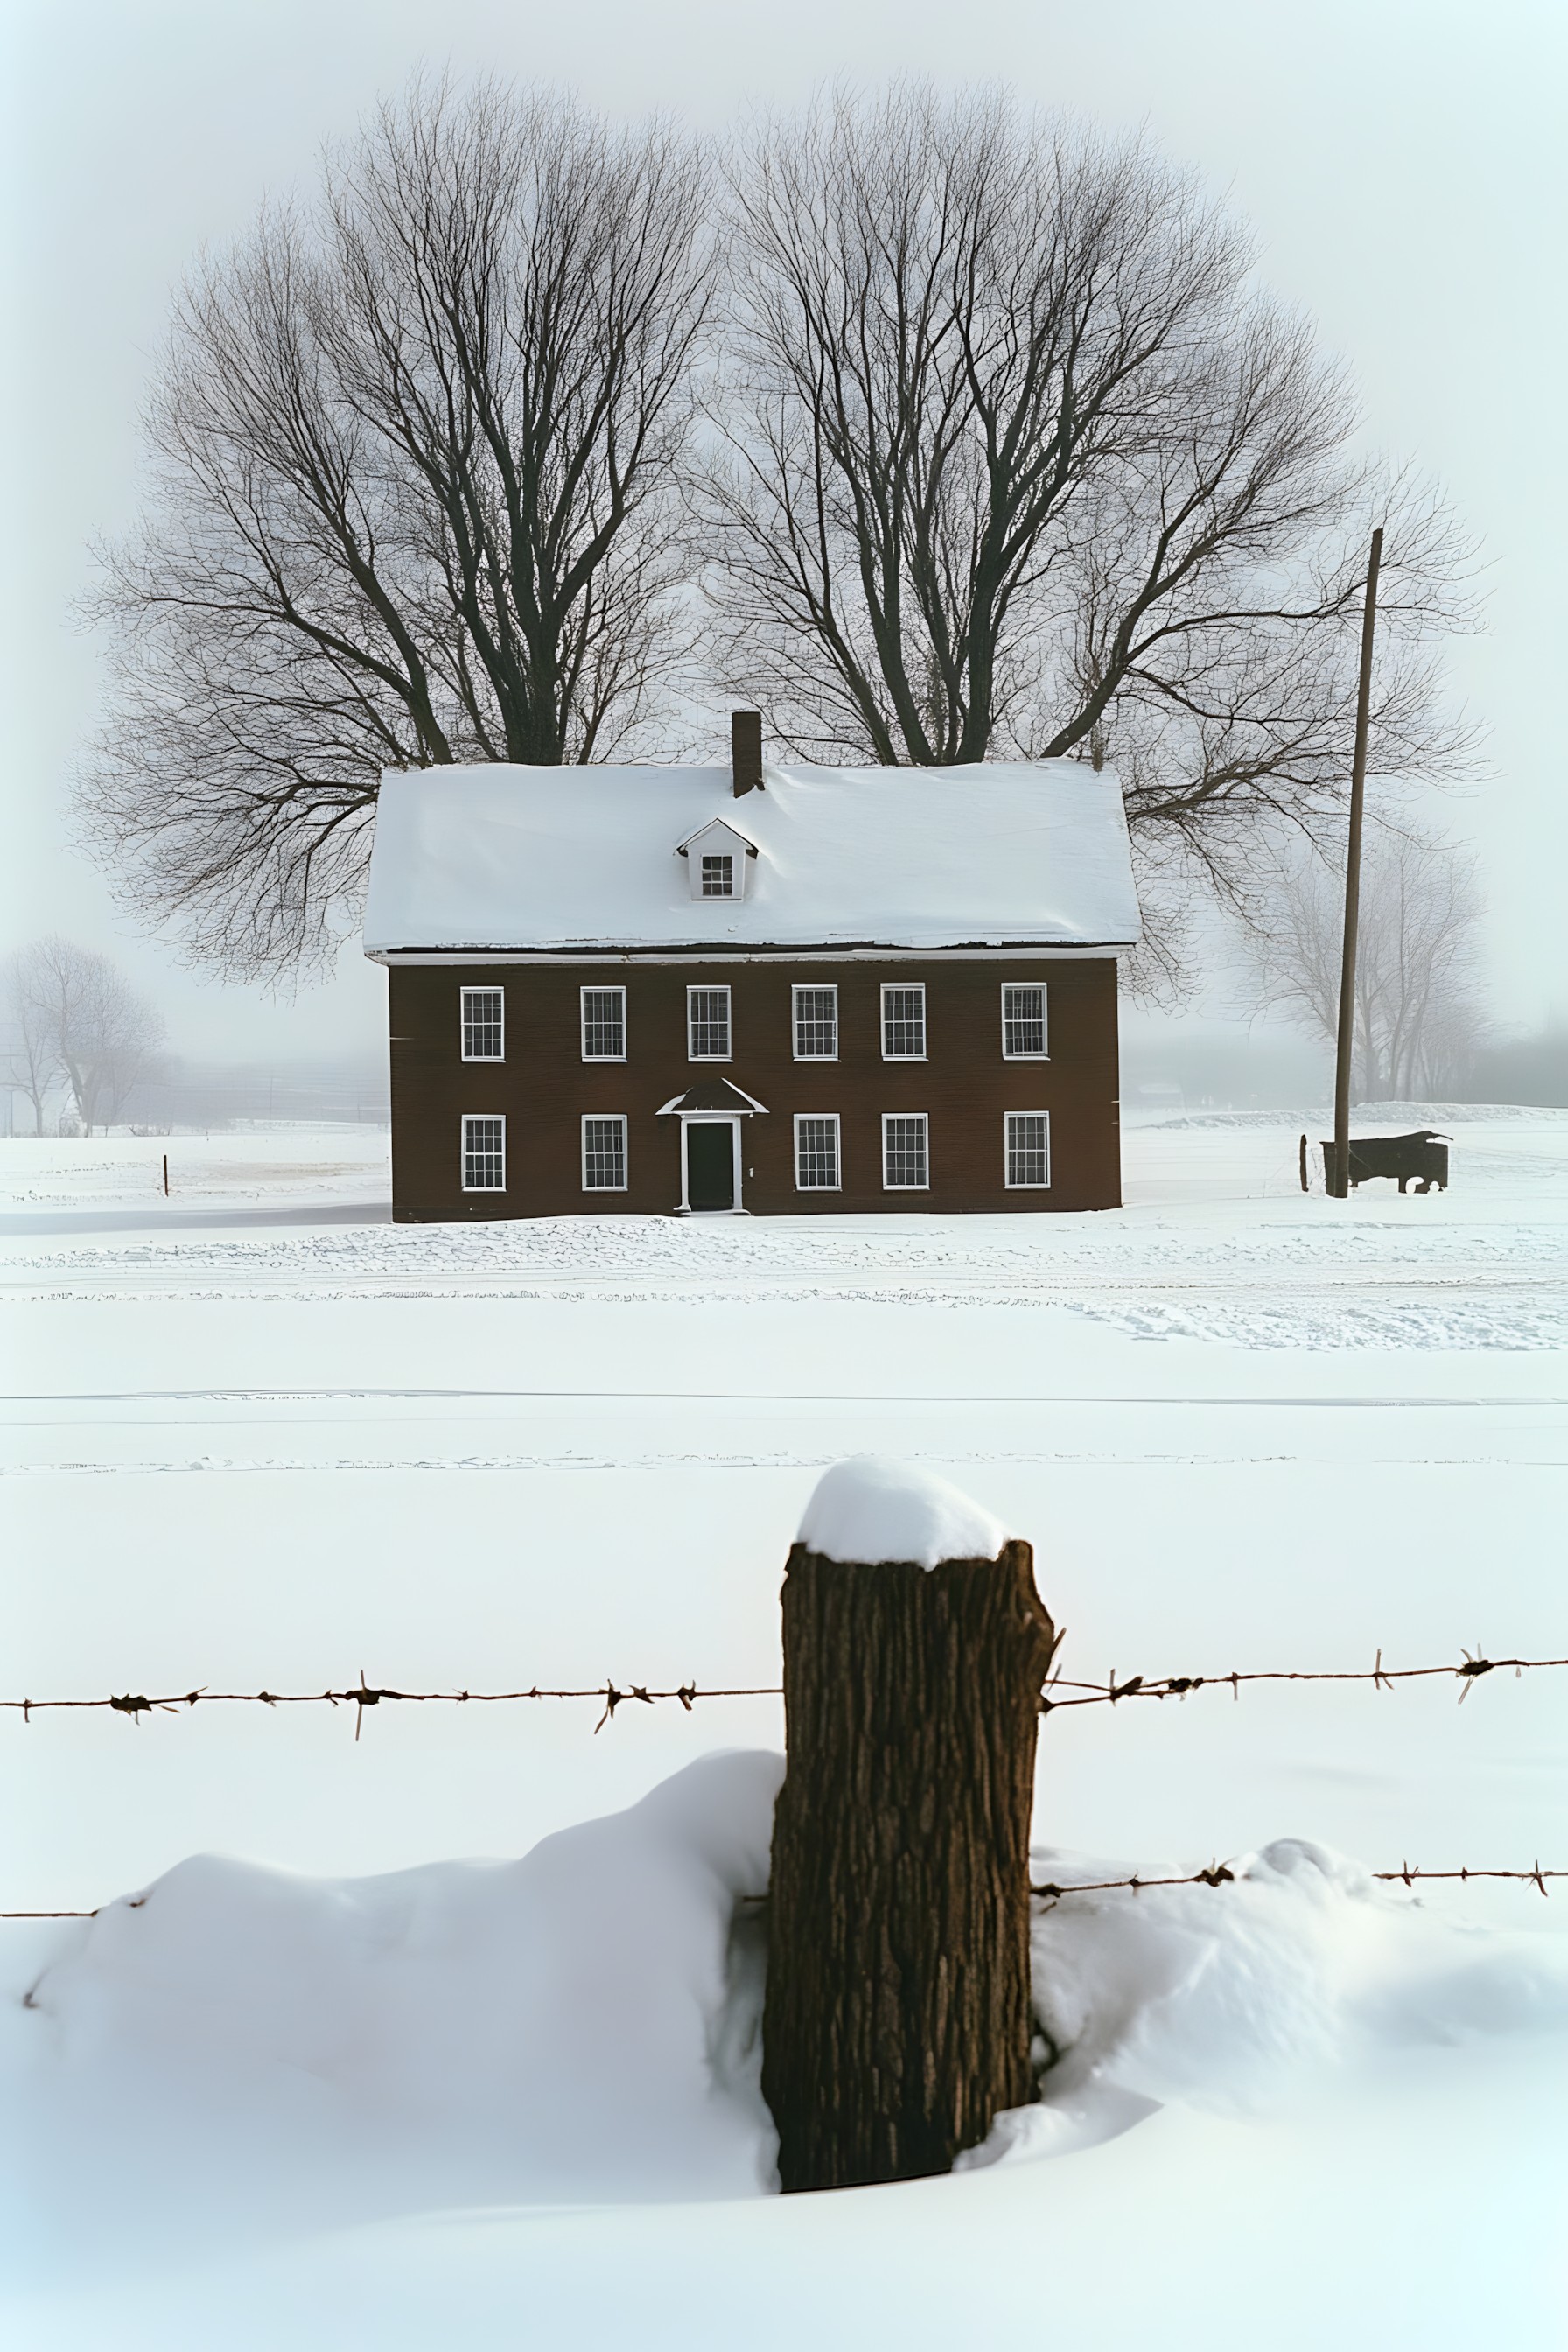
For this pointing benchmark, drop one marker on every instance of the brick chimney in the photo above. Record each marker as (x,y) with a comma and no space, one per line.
(746,751)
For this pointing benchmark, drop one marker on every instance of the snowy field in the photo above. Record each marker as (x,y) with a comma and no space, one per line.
(256,1436)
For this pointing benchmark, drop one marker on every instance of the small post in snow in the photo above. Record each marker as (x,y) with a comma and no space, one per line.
(165,1175)
(898,2018)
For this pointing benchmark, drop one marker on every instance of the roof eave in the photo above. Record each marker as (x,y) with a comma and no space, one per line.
(476,951)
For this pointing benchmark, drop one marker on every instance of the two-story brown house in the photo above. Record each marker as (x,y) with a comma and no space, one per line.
(785,990)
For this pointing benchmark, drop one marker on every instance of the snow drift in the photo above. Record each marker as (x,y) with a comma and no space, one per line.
(240,2048)
(240,2051)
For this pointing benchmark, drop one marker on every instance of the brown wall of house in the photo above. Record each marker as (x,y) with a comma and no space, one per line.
(544,1087)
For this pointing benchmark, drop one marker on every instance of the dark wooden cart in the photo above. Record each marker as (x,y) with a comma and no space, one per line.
(1421,1157)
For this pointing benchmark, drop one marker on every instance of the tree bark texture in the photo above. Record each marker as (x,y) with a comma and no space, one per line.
(898,2019)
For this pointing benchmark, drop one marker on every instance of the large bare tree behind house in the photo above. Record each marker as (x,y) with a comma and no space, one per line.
(1013,459)
(1417,987)
(83,1026)
(414,452)
(973,429)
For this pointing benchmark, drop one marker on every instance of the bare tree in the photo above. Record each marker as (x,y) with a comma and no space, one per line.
(31,1056)
(1013,458)
(414,449)
(86,1024)
(1417,1018)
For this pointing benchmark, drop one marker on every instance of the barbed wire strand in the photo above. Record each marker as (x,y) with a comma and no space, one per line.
(135,1704)
(1218,1873)
(1467,1673)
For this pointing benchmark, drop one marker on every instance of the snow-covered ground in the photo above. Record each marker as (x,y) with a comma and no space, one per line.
(258,1437)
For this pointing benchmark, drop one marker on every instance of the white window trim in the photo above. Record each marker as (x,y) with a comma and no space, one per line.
(1008,1183)
(888,1115)
(620,1116)
(499,1119)
(837,1186)
(1044,1015)
(798,990)
(725,858)
(710,988)
(583,993)
(463,996)
(903,988)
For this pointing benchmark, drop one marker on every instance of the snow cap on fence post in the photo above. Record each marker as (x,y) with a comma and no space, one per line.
(897,2021)
(870,1509)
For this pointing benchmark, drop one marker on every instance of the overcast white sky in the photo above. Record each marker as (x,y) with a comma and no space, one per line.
(1401,162)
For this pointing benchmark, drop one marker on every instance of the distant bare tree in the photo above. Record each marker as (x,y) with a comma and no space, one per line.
(1014,460)
(87,1026)
(32,1054)
(412,451)
(1416,1019)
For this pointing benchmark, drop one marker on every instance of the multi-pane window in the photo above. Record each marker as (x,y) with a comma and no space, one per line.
(604,1155)
(603,1025)
(718,878)
(707,1025)
(484,1155)
(1028,1149)
(816,1024)
(817,1154)
(904,1023)
(906,1156)
(484,1038)
(1024,1023)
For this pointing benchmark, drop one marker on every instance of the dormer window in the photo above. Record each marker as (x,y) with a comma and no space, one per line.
(718,860)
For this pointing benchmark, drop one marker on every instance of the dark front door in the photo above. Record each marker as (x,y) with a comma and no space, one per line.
(710,1164)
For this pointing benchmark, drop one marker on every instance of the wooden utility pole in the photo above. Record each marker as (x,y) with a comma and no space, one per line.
(898,2017)
(1339,1174)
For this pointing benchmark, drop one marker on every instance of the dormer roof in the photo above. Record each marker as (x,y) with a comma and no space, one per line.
(699,840)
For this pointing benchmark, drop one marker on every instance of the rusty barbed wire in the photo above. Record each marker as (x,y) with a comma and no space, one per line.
(135,1704)
(1218,1873)
(1467,1673)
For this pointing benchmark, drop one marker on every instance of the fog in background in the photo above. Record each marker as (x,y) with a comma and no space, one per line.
(1399,164)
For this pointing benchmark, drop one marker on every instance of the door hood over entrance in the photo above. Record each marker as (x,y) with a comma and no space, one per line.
(712,1095)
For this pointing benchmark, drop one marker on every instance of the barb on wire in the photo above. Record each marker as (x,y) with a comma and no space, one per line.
(615,1698)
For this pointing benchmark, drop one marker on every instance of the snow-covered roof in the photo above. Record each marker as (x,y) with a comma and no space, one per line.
(562,859)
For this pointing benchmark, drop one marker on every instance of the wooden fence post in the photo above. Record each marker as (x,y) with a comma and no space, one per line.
(897,2020)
